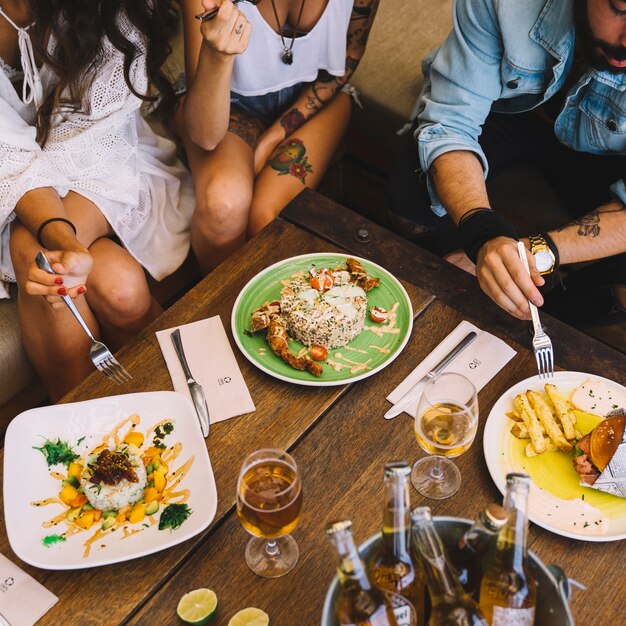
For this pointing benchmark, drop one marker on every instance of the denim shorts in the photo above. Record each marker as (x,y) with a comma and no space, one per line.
(269,106)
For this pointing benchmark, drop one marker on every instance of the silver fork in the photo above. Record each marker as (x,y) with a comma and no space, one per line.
(542,345)
(101,356)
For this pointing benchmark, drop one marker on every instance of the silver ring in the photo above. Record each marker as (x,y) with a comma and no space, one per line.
(239,29)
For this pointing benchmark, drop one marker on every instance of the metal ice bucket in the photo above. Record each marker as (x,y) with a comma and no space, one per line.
(552,585)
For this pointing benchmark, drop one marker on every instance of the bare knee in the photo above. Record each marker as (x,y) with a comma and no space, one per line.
(222,210)
(122,300)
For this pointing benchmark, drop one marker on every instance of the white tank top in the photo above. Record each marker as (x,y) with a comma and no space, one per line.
(260,70)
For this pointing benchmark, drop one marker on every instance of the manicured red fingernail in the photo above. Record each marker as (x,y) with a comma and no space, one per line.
(62,291)
(81,290)
(58,280)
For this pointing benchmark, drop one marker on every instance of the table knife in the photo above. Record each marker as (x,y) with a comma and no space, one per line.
(195,389)
(412,394)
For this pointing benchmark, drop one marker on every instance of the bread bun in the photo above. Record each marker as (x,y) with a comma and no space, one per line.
(605,438)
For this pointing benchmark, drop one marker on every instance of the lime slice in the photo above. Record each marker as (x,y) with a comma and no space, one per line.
(197,606)
(250,617)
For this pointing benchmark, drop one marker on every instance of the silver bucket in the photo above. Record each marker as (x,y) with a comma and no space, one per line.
(552,585)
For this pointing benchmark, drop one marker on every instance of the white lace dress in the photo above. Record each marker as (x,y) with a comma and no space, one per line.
(110,155)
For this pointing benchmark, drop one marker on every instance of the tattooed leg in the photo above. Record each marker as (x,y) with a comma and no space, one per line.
(290,158)
(247,127)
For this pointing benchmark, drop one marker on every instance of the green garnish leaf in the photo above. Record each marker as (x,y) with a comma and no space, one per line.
(50,540)
(57,452)
(578,451)
(80,441)
(173,516)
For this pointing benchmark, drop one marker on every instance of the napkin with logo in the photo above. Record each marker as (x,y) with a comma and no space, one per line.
(479,362)
(212,364)
(23,600)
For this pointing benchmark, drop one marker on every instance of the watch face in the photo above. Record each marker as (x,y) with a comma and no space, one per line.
(543,260)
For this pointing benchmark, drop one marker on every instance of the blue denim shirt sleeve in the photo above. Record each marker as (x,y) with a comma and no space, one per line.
(461,82)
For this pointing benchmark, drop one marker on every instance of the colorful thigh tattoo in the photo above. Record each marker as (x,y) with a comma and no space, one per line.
(245,126)
(290,158)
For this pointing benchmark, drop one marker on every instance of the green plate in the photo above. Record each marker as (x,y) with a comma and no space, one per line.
(557,500)
(375,347)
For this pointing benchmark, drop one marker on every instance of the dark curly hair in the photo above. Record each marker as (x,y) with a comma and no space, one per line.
(78,28)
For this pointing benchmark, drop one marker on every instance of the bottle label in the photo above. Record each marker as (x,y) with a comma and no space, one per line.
(403,610)
(503,616)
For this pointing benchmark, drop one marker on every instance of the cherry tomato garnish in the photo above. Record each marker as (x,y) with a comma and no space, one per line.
(378,314)
(323,281)
(318,353)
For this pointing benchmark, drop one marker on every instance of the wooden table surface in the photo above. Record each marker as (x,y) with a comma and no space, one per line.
(337,435)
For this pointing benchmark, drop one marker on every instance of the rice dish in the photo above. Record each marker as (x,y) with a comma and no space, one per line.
(107,497)
(331,319)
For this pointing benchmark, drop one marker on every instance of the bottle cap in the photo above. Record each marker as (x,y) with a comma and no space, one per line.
(337,527)
(495,516)
(397,468)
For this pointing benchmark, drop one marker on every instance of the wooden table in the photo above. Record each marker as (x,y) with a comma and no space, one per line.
(337,435)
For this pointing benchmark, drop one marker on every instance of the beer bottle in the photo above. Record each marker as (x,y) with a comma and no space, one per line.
(451,605)
(362,604)
(392,569)
(468,554)
(508,591)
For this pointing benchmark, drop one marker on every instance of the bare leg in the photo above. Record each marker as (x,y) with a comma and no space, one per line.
(224,179)
(300,161)
(54,342)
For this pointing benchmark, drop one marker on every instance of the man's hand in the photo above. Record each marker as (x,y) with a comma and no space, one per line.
(72,268)
(229,31)
(502,276)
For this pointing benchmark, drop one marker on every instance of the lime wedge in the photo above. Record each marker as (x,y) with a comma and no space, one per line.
(197,606)
(250,617)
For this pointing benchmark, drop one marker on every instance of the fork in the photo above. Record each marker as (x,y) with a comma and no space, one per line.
(542,345)
(100,355)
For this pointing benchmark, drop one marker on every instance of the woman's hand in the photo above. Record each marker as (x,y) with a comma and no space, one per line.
(265,146)
(72,268)
(229,31)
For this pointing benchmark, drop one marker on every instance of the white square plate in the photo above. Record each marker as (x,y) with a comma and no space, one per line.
(27,478)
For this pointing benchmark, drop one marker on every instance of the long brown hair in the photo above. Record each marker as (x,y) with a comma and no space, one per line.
(78,28)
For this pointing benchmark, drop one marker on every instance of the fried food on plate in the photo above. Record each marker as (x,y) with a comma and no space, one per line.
(523,408)
(549,423)
(563,410)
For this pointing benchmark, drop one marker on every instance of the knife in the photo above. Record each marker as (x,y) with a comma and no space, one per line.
(412,394)
(195,389)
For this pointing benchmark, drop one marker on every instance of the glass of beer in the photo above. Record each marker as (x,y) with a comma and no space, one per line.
(269,499)
(445,427)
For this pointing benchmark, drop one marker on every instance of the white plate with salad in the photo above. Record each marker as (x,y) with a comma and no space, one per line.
(106,480)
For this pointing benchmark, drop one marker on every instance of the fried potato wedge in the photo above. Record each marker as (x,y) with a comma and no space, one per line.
(523,408)
(520,431)
(563,411)
(545,416)
(530,450)
(514,416)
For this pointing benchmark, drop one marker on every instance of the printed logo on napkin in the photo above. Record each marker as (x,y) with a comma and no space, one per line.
(613,478)
(23,600)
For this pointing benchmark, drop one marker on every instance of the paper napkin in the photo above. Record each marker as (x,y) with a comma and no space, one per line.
(212,364)
(479,362)
(23,600)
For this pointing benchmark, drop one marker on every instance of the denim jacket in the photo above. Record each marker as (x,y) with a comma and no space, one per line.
(511,56)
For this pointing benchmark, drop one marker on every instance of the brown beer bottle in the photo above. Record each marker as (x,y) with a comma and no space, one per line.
(362,603)
(508,591)
(451,605)
(392,569)
(468,554)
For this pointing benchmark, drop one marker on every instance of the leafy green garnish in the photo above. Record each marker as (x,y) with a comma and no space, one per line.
(80,441)
(578,451)
(173,516)
(57,452)
(50,540)
(160,432)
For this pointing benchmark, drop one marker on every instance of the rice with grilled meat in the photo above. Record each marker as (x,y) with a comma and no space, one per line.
(108,497)
(330,319)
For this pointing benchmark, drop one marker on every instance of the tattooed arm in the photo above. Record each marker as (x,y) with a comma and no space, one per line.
(596,235)
(314,97)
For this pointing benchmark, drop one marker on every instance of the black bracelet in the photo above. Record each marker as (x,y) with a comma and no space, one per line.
(479,228)
(555,251)
(471,212)
(52,219)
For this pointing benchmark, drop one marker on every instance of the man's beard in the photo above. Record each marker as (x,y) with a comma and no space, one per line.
(590,46)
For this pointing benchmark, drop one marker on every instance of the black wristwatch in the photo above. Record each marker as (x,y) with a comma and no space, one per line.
(545,252)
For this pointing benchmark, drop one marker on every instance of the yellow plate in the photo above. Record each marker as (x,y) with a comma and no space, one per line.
(557,500)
